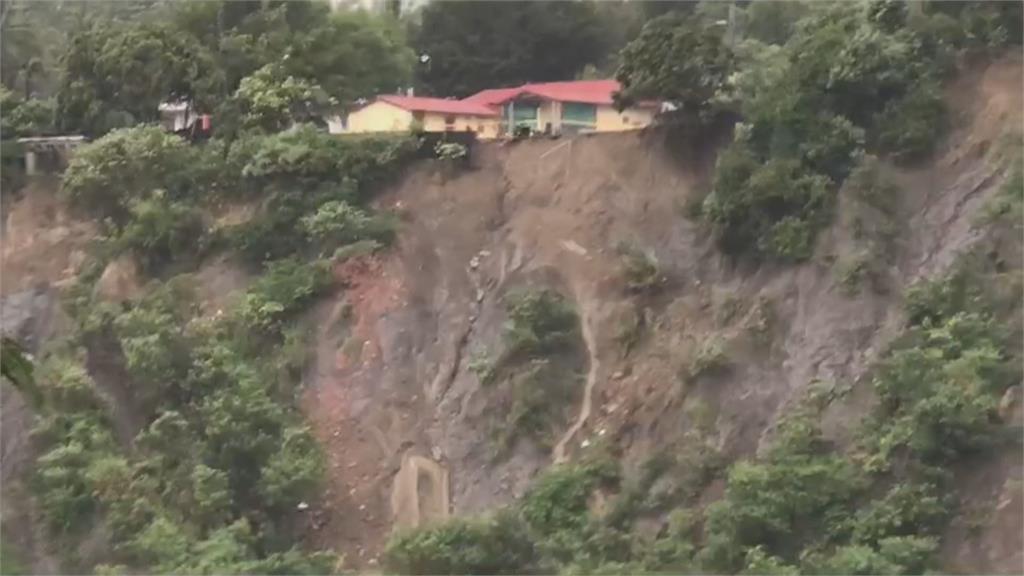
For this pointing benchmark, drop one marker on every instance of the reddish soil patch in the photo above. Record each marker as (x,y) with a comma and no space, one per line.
(353,519)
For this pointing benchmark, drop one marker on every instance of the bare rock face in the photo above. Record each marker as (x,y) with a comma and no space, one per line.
(120,280)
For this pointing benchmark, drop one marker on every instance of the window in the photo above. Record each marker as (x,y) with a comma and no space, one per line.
(581,115)
(449,122)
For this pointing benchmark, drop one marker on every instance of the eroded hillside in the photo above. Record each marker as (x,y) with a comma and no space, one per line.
(666,350)
(401,390)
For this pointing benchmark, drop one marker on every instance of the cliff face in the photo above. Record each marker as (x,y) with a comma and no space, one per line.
(397,388)
(398,369)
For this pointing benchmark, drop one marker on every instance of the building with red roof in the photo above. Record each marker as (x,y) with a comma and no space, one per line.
(549,107)
(393,113)
(564,107)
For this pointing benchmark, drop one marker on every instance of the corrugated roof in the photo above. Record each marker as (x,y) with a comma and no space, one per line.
(583,91)
(438,105)
(493,96)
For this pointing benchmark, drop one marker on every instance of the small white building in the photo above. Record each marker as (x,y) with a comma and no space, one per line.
(177,116)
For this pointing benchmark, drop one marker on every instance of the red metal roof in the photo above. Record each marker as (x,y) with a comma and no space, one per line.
(493,96)
(583,91)
(438,105)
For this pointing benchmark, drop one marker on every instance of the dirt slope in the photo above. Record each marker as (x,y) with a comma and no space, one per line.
(394,382)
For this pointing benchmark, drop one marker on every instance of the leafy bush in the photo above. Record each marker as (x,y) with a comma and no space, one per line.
(538,400)
(293,472)
(851,272)
(908,127)
(774,208)
(710,356)
(850,73)
(160,232)
(1010,201)
(307,153)
(794,495)
(315,184)
(270,99)
(539,322)
(497,545)
(906,509)
(337,223)
(33,117)
(557,502)
(107,175)
(941,392)
(678,60)
(902,555)
(757,562)
(154,344)
(642,271)
(286,285)
(73,433)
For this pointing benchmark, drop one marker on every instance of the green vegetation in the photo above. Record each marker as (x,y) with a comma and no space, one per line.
(147,187)
(32,117)
(710,357)
(127,166)
(206,474)
(497,545)
(252,65)
(537,369)
(223,457)
(641,268)
(1009,204)
(476,46)
(678,59)
(839,79)
(285,287)
(551,519)
(17,368)
(851,273)
(540,322)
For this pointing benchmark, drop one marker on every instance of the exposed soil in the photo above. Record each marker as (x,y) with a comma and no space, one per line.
(393,385)
(42,242)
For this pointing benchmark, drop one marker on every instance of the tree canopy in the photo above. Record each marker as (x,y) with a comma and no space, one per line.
(116,75)
(675,58)
(476,45)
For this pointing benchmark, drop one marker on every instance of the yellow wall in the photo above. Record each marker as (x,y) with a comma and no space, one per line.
(379,117)
(549,112)
(484,126)
(611,120)
(385,117)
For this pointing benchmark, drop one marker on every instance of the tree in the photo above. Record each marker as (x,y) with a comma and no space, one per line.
(117,75)
(18,370)
(498,545)
(349,54)
(107,176)
(677,60)
(352,55)
(271,100)
(476,45)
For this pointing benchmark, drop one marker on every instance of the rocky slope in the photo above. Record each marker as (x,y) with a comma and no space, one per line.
(396,382)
